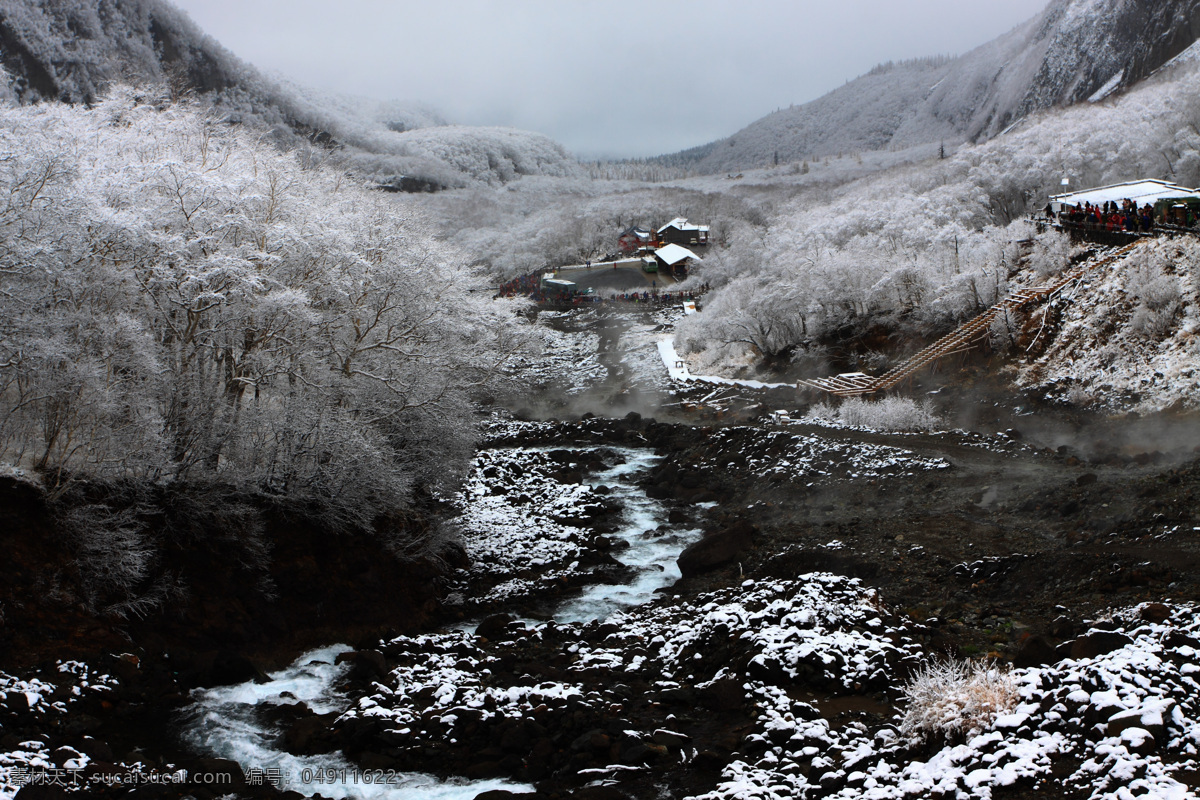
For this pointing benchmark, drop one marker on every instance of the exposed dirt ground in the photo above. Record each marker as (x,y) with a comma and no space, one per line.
(1000,553)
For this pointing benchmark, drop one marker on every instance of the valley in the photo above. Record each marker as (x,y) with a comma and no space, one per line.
(352,452)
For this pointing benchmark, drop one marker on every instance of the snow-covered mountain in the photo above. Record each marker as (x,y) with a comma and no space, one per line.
(1074,51)
(74,50)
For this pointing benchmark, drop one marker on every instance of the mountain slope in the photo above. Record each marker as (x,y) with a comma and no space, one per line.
(73,50)
(1074,51)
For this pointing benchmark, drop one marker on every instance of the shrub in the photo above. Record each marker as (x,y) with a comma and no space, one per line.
(956,699)
(1151,281)
(1153,324)
(822,412)
(1051,253)
(115,555)
(888,414)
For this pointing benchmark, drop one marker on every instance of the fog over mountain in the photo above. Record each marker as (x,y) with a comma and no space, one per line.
(1074,51)
(624,78)
(74,51)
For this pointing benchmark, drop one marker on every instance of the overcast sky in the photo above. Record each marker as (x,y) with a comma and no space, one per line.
(612,78)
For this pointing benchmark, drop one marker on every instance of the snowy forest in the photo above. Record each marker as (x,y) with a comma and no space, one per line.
(903,239)
(193,300)
(185,302)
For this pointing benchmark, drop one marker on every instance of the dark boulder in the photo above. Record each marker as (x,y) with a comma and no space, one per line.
(365,664)
(594,740)
(494,625)
(307,736)
(644,753)
(229,668)
(726,694)
(1155,612)
(717,549)
(1093,643)
(1034,652)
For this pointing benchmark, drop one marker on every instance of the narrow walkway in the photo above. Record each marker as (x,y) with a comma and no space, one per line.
(964,337)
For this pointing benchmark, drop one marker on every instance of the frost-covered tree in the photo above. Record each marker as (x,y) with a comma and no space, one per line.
(936,242)
(182,301)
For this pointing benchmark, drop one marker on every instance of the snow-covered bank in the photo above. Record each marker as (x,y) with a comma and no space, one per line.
(779,455)
(47,702)
(1124,713)
(1126,719)
(678,370)
(457,692)
(1130,337)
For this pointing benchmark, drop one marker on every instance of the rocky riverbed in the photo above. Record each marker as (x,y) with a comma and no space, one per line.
(818,570)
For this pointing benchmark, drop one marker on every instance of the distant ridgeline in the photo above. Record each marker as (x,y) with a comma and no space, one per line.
(1074,51)
(74,52)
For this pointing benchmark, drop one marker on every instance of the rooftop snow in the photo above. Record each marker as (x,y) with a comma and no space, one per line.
(1142,192)
(672,254)
(681,223)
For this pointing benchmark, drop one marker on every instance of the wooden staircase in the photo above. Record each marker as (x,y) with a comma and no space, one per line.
(964,337)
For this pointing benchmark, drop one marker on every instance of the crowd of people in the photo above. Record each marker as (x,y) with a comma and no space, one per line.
(522,284)
(1108,217)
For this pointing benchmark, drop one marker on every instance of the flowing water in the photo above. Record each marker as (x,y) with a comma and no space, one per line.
(226,721)
(652,547)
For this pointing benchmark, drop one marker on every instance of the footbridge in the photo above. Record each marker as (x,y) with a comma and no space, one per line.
(965,336)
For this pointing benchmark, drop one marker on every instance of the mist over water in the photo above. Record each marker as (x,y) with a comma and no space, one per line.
(1090,435)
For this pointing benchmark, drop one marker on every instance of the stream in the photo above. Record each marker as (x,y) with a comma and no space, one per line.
(225,721)
(652,548)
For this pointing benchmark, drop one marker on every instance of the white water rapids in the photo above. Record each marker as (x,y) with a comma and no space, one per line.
(651,552)
(225,722)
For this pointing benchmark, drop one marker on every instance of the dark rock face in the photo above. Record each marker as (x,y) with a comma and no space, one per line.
(1088,44)
(253,580)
